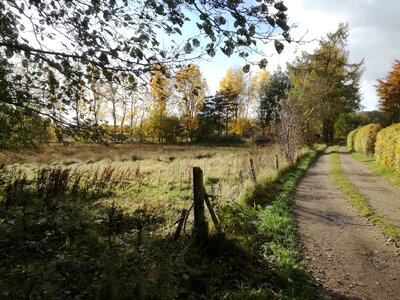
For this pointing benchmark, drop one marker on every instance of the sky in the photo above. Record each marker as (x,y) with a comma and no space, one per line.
(374,37)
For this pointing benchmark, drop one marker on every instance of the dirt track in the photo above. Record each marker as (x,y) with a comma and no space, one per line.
(346,255)
(383,197)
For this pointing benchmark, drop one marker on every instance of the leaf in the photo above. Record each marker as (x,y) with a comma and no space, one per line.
(278,46)
(280,6)
(246,68)
(178,30)
(263,63)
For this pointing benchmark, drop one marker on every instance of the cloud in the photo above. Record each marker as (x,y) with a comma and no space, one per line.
(374,34)
(374,37)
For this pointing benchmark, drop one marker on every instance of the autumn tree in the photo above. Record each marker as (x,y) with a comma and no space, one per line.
(325,84)
(389,93)
(191,88)
(234,83)
(123,38)
(254,90)
(160,89)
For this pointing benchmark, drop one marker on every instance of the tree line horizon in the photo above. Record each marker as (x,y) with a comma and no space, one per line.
(151,93)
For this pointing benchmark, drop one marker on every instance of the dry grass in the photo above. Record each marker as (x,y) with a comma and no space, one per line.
(159,176)
(105,217)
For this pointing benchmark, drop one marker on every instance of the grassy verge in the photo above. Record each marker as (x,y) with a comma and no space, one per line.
(357,200)
(389,174)
(277,221)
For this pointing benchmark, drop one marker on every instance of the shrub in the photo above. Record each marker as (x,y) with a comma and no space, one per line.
(350,138)
(365,138)
(387,148)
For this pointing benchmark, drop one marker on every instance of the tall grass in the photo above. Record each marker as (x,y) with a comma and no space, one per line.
(94,222)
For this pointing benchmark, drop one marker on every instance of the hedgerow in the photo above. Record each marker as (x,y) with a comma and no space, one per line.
(387,147)
(365,138)
(350,138)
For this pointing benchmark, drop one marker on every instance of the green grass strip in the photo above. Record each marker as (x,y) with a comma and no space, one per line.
(356,199)
(387,173)
(278,221)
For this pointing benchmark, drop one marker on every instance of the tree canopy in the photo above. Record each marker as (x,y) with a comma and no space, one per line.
(326,84)
(58,48)
(389,93)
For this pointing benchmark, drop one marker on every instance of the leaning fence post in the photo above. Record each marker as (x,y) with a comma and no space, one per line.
(200,230)
(180,222)
(252,172)
(212,212)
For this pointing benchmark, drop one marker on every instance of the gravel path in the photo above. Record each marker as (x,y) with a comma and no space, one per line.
(346,255)
(382,196)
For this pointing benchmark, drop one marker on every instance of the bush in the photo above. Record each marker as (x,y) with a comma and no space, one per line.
(387,148)
(365,138)
(350,138)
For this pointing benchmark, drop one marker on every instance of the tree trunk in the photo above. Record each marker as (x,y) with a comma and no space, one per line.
(327,131)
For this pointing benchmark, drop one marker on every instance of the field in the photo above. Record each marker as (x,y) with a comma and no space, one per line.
(92,221)
(154,176)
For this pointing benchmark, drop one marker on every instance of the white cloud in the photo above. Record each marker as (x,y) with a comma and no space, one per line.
(374,37)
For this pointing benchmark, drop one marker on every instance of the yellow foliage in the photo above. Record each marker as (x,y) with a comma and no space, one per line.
(365,138)
(192,88)
(241,126)
(159,88)
(387,148)
(234,79)
(350,138)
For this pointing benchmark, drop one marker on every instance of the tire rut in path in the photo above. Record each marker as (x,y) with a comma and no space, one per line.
(382,196)
(345,254)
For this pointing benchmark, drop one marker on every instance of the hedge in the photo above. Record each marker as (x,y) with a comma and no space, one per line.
(365,138)
(350,138)
(387,147)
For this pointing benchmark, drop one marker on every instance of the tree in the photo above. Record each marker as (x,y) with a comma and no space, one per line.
(160,89)
(389,93)
(216,115)
(254,93)
(271,93)
(19,127)
(289,130)
(232,87)
(191,88)
(326,85)
(122,38)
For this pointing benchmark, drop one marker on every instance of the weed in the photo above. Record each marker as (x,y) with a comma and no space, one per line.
(210,180)
(135,157)
(52,182)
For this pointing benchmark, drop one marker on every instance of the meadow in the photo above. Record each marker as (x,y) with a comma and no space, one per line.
(97,222)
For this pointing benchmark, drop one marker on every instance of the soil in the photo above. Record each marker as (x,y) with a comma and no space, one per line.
(346,255)
(382,196)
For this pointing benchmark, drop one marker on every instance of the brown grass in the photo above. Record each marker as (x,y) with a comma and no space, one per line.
(157,176)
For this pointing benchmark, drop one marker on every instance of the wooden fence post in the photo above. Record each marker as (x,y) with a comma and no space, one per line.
(200,230)
(252,172)
(276,162)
